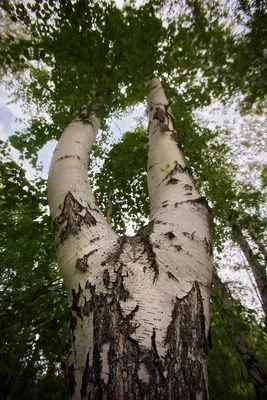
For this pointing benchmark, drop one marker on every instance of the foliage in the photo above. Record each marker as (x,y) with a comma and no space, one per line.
(123,177)
(33,304)
(73,54)
(233,382)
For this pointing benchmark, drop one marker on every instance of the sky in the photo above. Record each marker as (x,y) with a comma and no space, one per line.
(11,112)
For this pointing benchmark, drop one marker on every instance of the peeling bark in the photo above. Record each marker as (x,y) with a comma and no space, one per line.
(139,306)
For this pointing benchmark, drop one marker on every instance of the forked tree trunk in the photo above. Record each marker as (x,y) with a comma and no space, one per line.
(139,305)
(243,348)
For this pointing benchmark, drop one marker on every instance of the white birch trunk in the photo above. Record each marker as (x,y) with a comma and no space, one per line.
(139,305)
(243,348)
(258,270)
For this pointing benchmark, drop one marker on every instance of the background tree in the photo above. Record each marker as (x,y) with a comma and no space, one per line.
(198,64)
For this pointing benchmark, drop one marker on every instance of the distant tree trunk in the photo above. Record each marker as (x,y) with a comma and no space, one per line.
(139,305)
(244,350)
(258,270)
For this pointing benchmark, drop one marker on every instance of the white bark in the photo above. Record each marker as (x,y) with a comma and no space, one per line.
(175,200)
(69,193)
(82,236)
(258,270)
(139,305)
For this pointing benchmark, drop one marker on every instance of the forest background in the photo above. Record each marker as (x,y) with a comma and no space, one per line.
(210,55)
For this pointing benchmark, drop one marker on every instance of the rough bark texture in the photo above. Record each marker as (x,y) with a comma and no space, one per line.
(258,270)
(244,350)
(139,306)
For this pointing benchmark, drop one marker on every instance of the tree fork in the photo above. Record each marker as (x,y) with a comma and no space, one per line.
(139,306)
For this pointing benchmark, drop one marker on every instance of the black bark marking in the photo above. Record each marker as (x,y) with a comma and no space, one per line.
(177,376)
(172,181)
(106,278)
(66,157)
(144,234)
(96,239)
(187,347)
(118,287)
(176,169)
(208,246)
(171,276)
(178,247)
(170,235)
(200,202)
(151,166)
(114,256)
(189,235)
(86,377)
(82,263)
(75,300)
(84,117)
(163,119)
(188,187)
(71,219)
(159,222)
(110,327)
(174,136)
(71,380)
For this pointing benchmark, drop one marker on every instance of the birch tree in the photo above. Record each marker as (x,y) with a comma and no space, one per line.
(139,305)
(71,48)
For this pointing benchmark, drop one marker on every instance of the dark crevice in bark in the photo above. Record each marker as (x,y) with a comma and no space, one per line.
(82,263)
(188,187)
(177,168)
(114,256)
(95,239)
(175,137)
(171,276)
(157,221)
(84,117)
(189,235)
(200,200)
(72,218)
(170,235)
(187,348)
(106,278)
(144,233)
(71,380)
(208,246)
(163,119)
(135,372)
(172,181)
(68,156)
(86,377)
